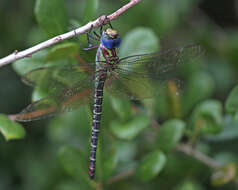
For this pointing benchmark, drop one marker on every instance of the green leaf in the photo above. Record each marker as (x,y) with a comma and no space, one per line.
(34,36)
(107,110)
(38,93)
(231,104)
(27,64)
(109,164)
(130,129)
(44,79)
(169,135)
(223,158)
(188,185)
(208,117)
(70,126)
(51,16)
(200,86)
(69,185)
(74,163)
(150,166)
(138,41)
(224,175)
(90,10)
(168,15)
(10,129)
(125,150)
(229,132)
(62,51)
(122,107)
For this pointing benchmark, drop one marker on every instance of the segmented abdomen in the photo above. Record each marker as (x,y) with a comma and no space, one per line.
(97,111)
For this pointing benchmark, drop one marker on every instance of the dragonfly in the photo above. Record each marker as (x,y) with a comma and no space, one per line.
(71,86)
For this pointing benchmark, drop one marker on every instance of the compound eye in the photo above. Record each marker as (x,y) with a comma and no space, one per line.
(117,42)
(108,43)
(111,33)
(111,43)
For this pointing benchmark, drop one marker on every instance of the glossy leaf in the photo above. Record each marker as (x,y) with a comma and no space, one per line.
(130,129)
(150,166)
(223,158)
(71,127)
(200,86)
(10,129)
(169,134)
(109,165)
(51,16)
(62,51)
(27,64)
(126,150)
(229,132)
(90,10)
(69,185)
(74,163)
(133,44)
(208,117)
(166,14)
(188,185)
(38,93)
(107,110)
(231,104)
(224,175)
(122,107)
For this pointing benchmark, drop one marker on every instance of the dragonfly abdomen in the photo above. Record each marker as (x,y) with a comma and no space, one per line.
(97,111)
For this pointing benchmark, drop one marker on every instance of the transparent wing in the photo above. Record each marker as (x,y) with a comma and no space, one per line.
(55,78)
(66,100)
(69,87)
(144,76)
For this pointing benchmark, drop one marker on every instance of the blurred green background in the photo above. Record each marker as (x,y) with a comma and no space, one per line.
(188,142)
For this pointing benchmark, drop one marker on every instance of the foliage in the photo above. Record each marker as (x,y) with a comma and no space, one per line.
(138,143)
(10,129)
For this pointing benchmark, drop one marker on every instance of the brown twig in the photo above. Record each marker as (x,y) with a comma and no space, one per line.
(93,24)
(121,176)
(188,150)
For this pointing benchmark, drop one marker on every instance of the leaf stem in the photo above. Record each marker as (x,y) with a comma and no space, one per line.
(121,176)
(189,150)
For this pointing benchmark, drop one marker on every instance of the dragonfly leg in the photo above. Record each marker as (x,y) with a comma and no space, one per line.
(93,35)
(98,36)
(107,21)
(110,24)
(91,47)
(90,37)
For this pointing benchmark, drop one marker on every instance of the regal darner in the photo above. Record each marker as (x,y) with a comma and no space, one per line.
(131,76)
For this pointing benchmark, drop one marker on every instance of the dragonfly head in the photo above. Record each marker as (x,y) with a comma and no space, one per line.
(110,38)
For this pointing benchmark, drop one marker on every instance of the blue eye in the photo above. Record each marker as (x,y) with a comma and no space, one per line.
(117,42)
(111,43)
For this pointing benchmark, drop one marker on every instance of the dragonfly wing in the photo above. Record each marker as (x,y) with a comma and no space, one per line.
(69,88)
(144,76)
(66,100)
(159,65)
(129,86)
(55,78)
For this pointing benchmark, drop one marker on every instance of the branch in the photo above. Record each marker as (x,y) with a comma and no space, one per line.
(93,24)
(121,176)
(186,149)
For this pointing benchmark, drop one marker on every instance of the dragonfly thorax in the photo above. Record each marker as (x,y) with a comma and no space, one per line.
(110,38)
